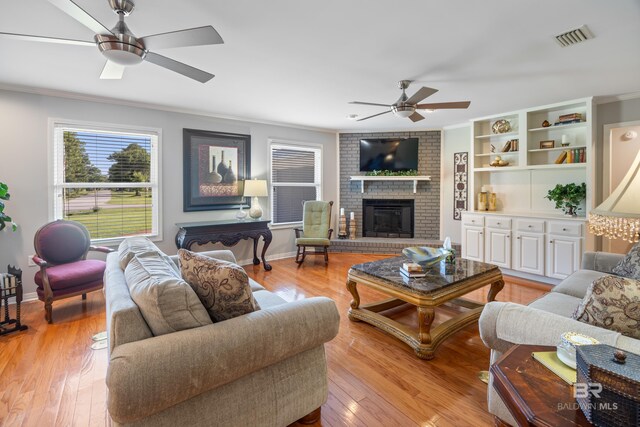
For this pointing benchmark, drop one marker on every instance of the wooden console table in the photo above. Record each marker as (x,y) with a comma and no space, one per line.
(227,232)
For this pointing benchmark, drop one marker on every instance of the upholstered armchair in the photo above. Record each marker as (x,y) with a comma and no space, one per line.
(315,231)
(61,253)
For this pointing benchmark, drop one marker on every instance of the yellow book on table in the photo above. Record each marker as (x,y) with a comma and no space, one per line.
(550,360)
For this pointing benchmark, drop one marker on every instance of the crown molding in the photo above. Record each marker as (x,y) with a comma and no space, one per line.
(616,98)
(150,106)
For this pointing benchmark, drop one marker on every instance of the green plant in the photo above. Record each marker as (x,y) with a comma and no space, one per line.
(410,172)
(4,218)
(568,197)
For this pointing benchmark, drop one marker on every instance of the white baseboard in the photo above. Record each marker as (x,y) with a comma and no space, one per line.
(272,257)
(30,296)
(529,276)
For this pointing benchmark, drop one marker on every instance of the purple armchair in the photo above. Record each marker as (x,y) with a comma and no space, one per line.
(61,251)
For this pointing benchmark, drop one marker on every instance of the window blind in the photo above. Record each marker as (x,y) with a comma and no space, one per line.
(295,178)
(106,180)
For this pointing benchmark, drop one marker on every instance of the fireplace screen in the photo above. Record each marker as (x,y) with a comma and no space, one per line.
(387,218)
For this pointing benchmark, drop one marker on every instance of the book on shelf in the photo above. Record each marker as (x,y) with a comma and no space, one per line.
(572,116)
(507,147)
(514,145)
(567,122)
(561,158)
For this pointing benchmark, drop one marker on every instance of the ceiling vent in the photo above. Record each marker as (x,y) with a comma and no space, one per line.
(576,36)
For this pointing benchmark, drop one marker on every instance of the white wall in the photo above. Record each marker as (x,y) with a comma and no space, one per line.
(24,166)
(454,140)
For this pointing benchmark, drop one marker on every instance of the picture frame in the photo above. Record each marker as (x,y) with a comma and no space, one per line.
(548,144)
(215,165)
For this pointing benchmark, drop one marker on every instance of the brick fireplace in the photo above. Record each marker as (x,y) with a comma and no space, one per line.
(426,200)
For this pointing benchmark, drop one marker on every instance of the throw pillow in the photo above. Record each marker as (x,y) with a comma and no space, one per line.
(612,302)
(167,303)
(132,246)
(629,266)
(223,287)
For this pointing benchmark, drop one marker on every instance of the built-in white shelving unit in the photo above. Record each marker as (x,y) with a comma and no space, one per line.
(522,185)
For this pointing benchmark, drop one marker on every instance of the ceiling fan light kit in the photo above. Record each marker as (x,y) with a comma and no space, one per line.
(406,107)
(122,48)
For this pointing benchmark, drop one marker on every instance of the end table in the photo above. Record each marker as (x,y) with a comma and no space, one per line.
(8,324)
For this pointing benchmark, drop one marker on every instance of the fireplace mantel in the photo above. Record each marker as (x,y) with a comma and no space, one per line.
(415,179)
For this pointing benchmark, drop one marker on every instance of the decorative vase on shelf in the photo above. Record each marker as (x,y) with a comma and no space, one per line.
(241,214)
(229,177)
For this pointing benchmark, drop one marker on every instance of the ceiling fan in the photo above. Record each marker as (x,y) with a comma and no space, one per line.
(122,48)
(406,106)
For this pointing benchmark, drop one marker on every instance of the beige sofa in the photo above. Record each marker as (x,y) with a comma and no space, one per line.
(266,368)
(503,325)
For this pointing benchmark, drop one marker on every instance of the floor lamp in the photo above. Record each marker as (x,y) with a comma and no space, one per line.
(618,217)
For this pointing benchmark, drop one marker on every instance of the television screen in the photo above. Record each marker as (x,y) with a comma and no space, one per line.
(388,154)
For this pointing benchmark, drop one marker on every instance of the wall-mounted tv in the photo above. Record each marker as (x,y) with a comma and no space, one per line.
(394,154)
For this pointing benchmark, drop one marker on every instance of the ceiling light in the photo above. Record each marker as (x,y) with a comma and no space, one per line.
(403,110)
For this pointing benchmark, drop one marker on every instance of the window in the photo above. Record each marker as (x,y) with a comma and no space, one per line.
(106,179)
(295,178)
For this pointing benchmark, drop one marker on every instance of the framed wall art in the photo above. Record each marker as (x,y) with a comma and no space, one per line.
(460,166)
(215,167)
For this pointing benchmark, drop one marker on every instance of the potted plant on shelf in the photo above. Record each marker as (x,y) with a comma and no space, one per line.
(4,218)
(568,197)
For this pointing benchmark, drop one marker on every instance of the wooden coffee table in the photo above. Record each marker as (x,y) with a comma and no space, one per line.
(444,283)
(534,395)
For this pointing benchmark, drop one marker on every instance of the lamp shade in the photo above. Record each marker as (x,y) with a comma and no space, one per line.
(255,188)
(618,217)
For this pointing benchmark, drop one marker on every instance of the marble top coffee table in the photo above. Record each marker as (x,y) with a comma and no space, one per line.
(444,283)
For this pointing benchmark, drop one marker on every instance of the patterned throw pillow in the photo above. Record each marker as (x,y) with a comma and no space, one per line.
(613,303)
(630,264)
(223,287)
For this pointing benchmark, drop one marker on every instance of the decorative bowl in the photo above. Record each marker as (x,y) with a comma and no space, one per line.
(424,255)
(501,126)
(566,350)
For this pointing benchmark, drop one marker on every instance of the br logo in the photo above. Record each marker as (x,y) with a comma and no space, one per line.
(582,390)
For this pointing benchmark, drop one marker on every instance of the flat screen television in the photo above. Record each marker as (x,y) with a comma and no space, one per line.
(394,154)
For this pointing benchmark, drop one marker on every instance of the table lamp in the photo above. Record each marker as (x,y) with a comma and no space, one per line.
(255,188)
(618,217)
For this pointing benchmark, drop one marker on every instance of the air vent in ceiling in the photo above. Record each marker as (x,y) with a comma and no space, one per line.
(576,36)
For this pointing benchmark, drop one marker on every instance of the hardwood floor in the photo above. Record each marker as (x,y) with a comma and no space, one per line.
(50,376)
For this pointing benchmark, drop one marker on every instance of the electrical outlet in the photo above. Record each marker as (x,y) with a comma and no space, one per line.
(30,261)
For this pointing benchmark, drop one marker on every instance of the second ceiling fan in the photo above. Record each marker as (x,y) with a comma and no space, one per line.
(407,106)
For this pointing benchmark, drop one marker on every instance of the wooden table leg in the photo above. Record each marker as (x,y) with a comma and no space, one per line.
(355,302)
(495,288)
(256,261)
(425,319)
(267,241)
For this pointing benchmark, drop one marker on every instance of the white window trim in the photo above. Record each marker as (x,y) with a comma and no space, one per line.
(156,167)
(294,145)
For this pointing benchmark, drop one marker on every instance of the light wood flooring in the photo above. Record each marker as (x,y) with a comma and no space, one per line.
(50,376)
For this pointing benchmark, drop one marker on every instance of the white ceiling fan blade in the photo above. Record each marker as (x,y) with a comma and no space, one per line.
(375,115)
(443,105)
(27,37)
(112,71)
(190,37)
(369,103)
(421,94)
(179,67)
(80,15)
(416,117)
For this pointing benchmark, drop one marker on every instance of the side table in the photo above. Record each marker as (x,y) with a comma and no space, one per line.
(227,232)
(8,324)
(534,395)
